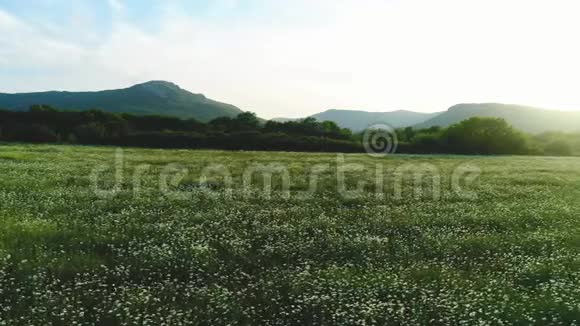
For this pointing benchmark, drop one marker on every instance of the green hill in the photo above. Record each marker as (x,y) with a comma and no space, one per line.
(151,98)
(529,119)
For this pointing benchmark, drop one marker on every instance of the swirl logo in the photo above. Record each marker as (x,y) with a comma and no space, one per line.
(380,140)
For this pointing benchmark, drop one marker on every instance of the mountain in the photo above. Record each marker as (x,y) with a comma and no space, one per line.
(151,98)
(360,120)
(526,118)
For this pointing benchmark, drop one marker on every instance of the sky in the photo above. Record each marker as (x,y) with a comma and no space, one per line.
(299,57)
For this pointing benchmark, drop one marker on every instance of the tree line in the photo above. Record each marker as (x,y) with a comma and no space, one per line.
(486,136)
(483,136)
(46,124)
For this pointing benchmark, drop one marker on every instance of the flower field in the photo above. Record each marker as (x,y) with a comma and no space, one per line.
(91,238)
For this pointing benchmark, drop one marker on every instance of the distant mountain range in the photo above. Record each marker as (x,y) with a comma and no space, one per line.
(529,119)
(167,99)
(526,118)
(151,98)
(360,120)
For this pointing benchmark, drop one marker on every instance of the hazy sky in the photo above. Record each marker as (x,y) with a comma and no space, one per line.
(291,58)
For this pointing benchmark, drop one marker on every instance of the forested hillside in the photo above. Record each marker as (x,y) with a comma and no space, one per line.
(151,98)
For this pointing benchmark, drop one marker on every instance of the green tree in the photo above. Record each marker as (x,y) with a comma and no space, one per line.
(247,121)
(90,133)
(36,133)
(484,136)
(42,108)
(558,148)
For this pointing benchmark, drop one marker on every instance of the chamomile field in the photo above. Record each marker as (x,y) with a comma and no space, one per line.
(99,236)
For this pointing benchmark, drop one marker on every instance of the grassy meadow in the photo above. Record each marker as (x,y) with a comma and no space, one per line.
(158,248)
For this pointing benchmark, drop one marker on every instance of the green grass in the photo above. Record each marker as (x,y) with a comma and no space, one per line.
(509,256)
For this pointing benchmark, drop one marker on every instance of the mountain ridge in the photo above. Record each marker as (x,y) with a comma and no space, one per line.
(358,120)
(158,97)
(527,118)
(155,97)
